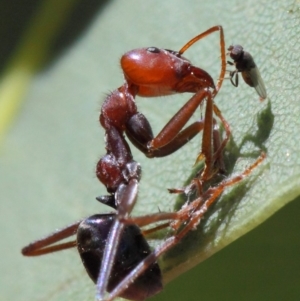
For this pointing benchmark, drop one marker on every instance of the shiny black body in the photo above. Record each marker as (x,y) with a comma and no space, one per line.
(92,235)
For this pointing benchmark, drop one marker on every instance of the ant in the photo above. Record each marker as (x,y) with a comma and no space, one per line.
(244,63)
(148,72)
(182,222)
(152,72)
(92,234)
(135,274)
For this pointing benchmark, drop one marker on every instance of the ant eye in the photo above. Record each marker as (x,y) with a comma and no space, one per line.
(153,49)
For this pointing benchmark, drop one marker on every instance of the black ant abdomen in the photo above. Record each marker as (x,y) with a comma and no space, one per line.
(92,234)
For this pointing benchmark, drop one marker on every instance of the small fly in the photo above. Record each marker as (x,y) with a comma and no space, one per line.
(244,63)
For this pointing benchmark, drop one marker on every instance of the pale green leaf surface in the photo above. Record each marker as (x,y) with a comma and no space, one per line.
(48,157)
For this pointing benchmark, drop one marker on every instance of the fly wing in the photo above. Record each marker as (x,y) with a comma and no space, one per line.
(253,78)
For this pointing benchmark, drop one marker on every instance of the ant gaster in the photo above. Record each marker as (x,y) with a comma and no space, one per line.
(92,234)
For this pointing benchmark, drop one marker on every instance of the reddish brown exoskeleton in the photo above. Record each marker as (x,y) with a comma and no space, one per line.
(152,72)
(148,72)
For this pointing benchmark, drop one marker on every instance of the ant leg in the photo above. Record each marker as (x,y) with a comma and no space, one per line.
(172,138)
(175,218)
(43,246)
(139,140)
(223,62)
(222,48)
(148,232)
(207,148)
(226,126)
(211,140)
(148,219)
(212,194)
(218,156)
(125,196)
(216,163)
(181,139)
(174,126)
(207,140)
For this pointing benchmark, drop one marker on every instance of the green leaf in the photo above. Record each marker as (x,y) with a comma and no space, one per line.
(48,156)
(30,55)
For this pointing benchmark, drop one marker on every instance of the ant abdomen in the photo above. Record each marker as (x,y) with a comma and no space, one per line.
(92,235)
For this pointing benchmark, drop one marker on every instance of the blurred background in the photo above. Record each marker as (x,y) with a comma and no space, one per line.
(58,61)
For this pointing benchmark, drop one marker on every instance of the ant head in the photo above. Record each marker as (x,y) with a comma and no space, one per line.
(151,66)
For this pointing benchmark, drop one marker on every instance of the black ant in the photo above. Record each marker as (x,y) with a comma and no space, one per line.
(151,72)
(182,222)
(92,234)
(244,63)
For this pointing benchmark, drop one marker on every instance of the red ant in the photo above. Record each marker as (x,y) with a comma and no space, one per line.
(148,72)
(153,72)
(244,63)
